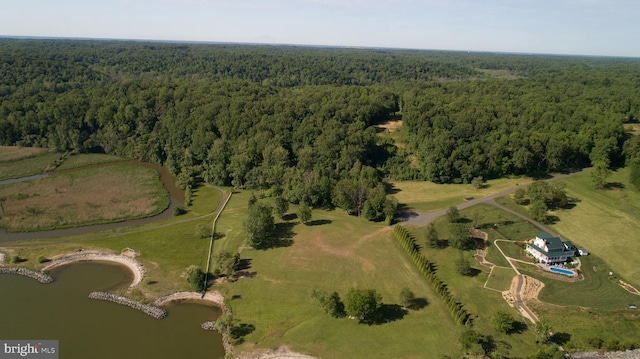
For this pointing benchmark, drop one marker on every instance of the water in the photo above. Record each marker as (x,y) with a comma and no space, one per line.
(562,271)
(88,328)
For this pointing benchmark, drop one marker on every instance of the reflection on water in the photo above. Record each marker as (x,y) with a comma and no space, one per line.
(88,328)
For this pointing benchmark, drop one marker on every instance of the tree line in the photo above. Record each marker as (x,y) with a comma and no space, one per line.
(299,122)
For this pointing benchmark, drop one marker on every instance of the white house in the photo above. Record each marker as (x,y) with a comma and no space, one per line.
(549,249)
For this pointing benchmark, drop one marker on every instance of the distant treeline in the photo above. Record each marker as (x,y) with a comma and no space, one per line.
(299,120)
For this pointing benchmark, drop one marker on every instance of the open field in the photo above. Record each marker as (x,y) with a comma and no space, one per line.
(481,302)
(429,196)
(97,195)
(605,222)
(27,166)
(14,153)
(500,278)
(578,325)
(335,253)
(86,159)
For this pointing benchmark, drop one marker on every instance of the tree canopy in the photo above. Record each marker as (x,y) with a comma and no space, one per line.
(302,120)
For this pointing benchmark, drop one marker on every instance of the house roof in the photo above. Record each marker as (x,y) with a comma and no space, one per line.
(553,243)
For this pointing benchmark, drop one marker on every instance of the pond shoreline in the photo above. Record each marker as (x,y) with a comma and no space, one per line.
(94,256)
(39,276)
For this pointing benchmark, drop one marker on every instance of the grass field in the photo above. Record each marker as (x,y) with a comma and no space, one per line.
(98,195)
(597,290)
(335,253)
(429,197)
(605,222)
(27,166)
(595,307)
(14,153)
(481,302)
(500,278)
(86,159)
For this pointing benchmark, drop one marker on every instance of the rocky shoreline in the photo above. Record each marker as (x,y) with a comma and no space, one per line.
(39,276)
(629,354)
(150,310)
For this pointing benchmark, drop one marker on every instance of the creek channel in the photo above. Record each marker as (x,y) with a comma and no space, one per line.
(176,196)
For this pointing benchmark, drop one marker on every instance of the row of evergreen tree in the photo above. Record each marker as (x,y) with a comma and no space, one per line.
(459,314)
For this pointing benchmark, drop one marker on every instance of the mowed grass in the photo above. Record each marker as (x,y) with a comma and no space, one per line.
(597,290)
(429,196)
(86,159)
(605,222)
(98,195)
(481,302)
(14,153)
(28,166)
(581,324)
(336,253)
(593,308)
(500,278)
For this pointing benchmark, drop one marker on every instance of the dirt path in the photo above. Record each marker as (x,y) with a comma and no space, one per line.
(280,353)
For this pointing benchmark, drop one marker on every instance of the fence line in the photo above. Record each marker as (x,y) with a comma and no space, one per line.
(213,232)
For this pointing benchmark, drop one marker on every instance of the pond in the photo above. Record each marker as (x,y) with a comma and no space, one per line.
(88,328)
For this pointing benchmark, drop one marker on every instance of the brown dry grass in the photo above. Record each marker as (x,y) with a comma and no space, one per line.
(92,196)
(391,125)
(12,153)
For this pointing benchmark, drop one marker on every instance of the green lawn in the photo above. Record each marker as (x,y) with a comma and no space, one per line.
(335,254)
(511,249)
(605,222)
(481,302)
(595,307)
(430,197)
(500,278)
(597,290)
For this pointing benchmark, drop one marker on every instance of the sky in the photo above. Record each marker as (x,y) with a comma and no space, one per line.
(572,27)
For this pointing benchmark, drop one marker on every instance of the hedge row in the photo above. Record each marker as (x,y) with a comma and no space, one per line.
(428,269)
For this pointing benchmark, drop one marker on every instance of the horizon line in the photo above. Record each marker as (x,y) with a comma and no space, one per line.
(357,47)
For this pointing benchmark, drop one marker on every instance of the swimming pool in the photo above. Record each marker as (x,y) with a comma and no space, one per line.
(562,271)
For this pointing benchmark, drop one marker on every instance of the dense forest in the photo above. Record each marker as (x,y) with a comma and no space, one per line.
(299,120)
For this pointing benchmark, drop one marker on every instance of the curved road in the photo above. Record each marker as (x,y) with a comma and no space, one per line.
(421,219)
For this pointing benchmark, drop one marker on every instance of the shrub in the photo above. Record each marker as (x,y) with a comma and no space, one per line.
(407,298)
(195,277)
(331,303)
(179,210)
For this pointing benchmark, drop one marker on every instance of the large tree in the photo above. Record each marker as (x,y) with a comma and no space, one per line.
(503,322)
(259,226)
(363,303)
